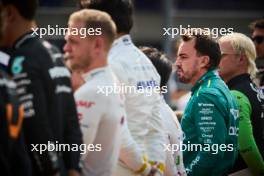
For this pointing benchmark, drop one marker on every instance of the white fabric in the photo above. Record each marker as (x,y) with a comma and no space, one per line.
(174,133)
(134,69)
(101,118)
(181,103)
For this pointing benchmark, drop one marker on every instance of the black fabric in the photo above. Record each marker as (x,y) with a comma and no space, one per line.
(244,84)
(50,114)
(260,74)
(14,160)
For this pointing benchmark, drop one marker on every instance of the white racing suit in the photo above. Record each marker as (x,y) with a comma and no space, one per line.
(101,117)
(138,77)
(174,160)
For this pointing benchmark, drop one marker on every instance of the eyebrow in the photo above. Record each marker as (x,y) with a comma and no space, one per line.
(183,54)
(70,39)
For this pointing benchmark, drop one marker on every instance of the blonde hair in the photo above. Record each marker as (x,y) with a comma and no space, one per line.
(243,45)
(96,19)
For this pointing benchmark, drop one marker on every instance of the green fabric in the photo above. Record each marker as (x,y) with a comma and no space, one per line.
(248,148)
(210,119)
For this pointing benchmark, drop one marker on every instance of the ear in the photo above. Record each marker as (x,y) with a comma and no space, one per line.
(243,60)
(98,44)
(204,62)
(9,13)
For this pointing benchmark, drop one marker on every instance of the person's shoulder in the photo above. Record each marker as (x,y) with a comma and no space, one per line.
(88,86)
(15,61)
(32,45)
(95,86)
(86,92)
(4,58)
(167,112)
(212,94)
(219,96)
(214,87)
(126,51)
(41,50)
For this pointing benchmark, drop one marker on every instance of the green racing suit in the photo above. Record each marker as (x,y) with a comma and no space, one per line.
(210,125)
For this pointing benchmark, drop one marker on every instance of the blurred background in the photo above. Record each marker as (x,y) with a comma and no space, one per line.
(151,16)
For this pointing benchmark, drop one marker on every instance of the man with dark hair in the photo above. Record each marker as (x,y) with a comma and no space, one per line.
(44,90)
(14,159)
(210,120)
(174,160)
(26,10)
(257,28)
(121,12)
(134,70)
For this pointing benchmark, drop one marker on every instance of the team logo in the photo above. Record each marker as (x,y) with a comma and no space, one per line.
(17,65)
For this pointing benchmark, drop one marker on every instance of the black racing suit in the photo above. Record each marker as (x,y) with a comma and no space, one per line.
(260,74)
(14,160)
(249,95)
(50,111)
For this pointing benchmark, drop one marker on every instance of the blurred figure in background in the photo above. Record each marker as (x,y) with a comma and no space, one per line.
(237,68)
(134,69)
(101,116)
(257,28)
(45,91)
(14,159)
(174,160)
(211,116)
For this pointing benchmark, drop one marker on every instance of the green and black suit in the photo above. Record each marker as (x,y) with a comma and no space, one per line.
(251,124)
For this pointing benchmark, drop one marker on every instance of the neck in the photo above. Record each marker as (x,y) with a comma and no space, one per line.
(120,35)
(240,72)
(198,76)
(19,28)
(95,65)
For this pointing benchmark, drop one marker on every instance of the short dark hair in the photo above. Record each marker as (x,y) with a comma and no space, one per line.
(205,46)
(121,12)
(257,24)
(26,8)
(160,61)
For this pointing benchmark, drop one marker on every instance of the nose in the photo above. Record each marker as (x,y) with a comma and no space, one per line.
(67,47)
(177,62)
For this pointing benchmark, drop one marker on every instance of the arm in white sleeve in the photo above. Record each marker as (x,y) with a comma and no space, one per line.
(177,139)
(89,110)
(156,137)
(170,169)
(131,155)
